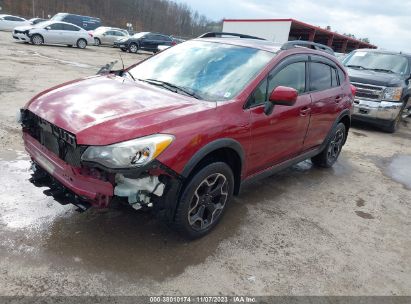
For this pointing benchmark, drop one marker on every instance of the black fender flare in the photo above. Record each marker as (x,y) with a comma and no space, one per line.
(344,113)
(211,147)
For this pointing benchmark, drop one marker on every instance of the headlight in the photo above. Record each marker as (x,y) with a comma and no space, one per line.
(129,154)
(392,94)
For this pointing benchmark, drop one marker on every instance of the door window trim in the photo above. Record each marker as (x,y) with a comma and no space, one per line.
(295,58)
(326,61)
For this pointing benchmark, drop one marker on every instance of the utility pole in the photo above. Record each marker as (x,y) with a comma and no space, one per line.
(34,11)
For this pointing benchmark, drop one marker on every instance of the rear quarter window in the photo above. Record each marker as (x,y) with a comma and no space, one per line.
(341,75)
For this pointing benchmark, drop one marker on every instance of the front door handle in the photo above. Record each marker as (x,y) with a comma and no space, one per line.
(304,111)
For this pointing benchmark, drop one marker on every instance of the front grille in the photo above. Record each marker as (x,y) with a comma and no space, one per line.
(20,32)
(57,140)
(367,91)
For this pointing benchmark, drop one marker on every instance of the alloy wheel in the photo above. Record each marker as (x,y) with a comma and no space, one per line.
(81,44)
(133,48)
(37,40)
(335,146)
(208,201)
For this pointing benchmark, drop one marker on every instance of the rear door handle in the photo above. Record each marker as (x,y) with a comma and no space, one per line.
(304,111)
(338,98)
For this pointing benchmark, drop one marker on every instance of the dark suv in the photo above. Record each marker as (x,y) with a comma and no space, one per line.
(144,41)
(383,85)
(85,22)
(184,130)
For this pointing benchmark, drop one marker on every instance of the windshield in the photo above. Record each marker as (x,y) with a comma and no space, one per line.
(138,35)
(58,17)
(212,71)
(389,63)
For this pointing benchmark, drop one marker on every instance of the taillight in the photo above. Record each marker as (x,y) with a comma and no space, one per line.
(353,90)
(173,43)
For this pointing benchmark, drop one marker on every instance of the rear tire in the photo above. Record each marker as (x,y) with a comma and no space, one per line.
(133,48)
(123,49)
(81,43)
(328,157)
(204,200)
(37,39)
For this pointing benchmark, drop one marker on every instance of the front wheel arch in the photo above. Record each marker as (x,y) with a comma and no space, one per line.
(38,35)
(225,150)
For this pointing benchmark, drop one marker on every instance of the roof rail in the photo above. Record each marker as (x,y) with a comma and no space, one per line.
(221,34)
(308,44)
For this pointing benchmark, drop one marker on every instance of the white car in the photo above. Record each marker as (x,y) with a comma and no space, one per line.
(9,22)
(107,35)
(54,32)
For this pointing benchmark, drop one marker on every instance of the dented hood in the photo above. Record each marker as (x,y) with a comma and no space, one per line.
(101,110)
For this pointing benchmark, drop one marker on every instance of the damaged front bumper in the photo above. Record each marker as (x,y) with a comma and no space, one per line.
(153,185)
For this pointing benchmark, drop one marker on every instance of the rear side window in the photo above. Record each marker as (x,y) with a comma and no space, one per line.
(69,27)
(292,76)
(320,76)
(56,27)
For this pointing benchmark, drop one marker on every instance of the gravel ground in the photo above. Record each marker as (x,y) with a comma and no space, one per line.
(304,231)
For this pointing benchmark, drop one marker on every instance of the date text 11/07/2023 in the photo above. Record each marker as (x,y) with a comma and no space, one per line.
(202,299)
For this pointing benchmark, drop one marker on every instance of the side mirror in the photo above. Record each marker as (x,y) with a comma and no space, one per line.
(284,96)
(48,28)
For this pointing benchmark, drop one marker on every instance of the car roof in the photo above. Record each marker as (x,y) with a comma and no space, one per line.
(54,21)
(264,45)
(383,52)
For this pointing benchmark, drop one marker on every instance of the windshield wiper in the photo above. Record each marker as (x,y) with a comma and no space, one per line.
(171,87)
(383,70)
(356,67)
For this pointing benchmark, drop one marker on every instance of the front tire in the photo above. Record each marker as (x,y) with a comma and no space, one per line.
(133,48)
(97,42)
(37,39)
(204,200)
(81,43)
(332,150)
(395,124)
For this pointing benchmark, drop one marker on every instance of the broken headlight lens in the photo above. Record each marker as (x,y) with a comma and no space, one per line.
(128,154)
(392,94)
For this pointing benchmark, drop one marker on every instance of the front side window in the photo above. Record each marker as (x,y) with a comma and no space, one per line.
(320,76)
(259,95)
(292,76)
(13,18)
(380,62)
(213,71)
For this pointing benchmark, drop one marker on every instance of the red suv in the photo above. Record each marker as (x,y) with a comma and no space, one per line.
(182,131)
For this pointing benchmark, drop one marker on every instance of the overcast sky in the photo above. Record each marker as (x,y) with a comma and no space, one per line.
(386,23)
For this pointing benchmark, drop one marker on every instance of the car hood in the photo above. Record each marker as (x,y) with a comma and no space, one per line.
(374,77)
(24,28)
(102,110)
